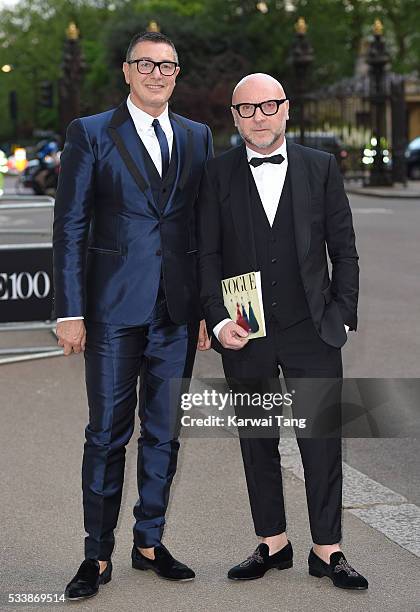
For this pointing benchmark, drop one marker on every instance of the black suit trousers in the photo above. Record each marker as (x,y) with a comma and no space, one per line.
(312,372)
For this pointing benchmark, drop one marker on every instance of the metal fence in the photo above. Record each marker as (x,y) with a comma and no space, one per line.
(25,274)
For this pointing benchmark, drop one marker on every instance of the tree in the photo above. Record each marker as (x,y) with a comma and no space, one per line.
(218,42)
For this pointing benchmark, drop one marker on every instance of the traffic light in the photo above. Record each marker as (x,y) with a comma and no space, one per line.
(47,94)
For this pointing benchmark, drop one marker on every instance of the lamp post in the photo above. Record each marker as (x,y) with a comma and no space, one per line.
(73,67)
(301,56)
(13,101)
(30,73)
(153,27)
(399,130)
(377,58)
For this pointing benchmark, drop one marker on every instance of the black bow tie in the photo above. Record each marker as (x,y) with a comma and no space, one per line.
(274,159)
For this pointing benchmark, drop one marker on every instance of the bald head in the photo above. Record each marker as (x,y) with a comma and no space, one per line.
(260,111)
(258,85)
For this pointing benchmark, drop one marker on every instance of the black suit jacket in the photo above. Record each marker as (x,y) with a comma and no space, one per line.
(322,223)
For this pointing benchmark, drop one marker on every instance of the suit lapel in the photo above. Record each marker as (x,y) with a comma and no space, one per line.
(122,131)
(301,200)
(183,140)
(241,204)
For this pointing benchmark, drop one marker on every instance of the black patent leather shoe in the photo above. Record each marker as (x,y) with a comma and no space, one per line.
(343,575)
(261,561)
(87,580)
(164,565)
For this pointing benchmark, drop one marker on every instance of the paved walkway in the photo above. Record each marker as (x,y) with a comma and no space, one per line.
(209,524)
(397,191)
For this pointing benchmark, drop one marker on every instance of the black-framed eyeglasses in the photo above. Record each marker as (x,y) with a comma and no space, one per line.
(146,66)
(247,110)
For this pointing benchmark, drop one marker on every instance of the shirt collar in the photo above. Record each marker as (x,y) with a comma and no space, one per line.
(281,150)
(142,120)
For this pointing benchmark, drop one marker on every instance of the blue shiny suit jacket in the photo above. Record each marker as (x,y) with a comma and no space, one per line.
(110,238)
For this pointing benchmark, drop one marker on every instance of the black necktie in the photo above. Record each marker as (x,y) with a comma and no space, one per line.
(274,159)
(163,143)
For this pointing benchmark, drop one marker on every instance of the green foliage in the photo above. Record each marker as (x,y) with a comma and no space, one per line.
(218,41)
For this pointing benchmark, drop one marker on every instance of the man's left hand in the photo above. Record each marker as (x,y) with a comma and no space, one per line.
(204,342)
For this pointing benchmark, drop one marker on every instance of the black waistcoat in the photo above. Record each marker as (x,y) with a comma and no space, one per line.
(283,293)
(161,189)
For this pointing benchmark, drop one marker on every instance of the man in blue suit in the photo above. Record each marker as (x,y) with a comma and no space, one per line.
(126,294)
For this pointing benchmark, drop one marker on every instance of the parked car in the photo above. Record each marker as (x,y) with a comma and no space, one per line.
(325,141)
(412,155)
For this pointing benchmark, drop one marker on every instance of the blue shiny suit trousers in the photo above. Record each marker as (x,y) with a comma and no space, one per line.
(160,354)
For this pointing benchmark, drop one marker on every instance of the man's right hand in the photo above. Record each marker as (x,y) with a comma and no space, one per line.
(71,336)
(233,336)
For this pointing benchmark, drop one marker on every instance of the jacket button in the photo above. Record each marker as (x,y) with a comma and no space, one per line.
(274,260)
(158,252)
(274,304)
(273,283)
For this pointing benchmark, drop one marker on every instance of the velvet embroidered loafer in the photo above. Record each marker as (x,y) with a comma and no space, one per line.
(338,569)
(163,564)
(257,564)
(87,580)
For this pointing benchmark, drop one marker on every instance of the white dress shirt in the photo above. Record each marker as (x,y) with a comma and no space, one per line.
(143,124)
(269,179)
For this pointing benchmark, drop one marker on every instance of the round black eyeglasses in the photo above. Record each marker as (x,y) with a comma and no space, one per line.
(247,110)
(146,66)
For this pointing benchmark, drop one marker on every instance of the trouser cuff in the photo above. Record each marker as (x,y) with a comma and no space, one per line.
(326,540)
(148,539)
(270,531)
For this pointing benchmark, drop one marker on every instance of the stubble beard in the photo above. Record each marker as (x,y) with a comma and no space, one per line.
(274,137)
